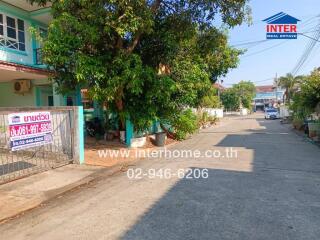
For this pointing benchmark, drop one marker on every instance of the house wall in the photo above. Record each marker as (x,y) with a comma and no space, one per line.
(27,57)
(37,96)
(9,99)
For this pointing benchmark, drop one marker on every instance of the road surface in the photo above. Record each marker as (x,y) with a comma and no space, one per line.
(266,187)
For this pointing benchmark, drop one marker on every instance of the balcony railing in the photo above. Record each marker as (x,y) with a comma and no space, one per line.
(38,54)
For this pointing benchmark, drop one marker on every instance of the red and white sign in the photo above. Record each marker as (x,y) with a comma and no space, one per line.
(29,129)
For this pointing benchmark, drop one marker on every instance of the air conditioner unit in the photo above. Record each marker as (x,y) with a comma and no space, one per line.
(22,86)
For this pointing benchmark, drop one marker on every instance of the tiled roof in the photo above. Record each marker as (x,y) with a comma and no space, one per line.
(266,88)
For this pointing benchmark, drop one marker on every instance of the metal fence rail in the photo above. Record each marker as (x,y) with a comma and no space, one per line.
(18,164)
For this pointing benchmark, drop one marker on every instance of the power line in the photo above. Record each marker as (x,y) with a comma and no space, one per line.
(317,40)
(310,45)
(266,49)
(313,54)
(264,80)
(249,43)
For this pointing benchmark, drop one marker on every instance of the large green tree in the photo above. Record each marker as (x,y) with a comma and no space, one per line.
(307,98)
(240,95)
(145,59)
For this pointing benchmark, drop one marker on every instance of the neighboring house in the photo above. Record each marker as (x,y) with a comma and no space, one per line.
(267,96)
(23,76)
(219,87)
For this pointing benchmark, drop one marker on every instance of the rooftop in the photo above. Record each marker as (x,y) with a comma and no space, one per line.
(265,88)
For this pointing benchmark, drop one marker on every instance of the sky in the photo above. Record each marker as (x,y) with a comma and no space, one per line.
(263,61)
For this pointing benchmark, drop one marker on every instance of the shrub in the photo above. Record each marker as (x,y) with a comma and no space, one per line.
(297,122)
(211,101)
(184,124)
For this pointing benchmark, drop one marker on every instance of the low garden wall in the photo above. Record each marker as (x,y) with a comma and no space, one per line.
(215,112)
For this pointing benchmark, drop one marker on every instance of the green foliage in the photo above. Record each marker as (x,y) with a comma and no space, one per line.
(291,84)
(297,122)
(230,99)
(184,124)
(240,94)
(204,118)
(308,97)
(310,90)
(246,91)
(114,48)
(211,100)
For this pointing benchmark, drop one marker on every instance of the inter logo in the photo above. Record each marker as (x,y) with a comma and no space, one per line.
(281,26)
(15,119)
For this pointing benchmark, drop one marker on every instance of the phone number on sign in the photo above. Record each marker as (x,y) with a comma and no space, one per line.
(167,173)
(27,129)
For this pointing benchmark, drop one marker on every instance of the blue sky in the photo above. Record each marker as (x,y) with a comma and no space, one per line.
(281,59)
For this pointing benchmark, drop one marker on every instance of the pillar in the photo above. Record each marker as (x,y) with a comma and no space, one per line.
(129,132)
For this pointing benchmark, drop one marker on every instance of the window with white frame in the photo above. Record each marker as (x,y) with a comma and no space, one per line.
(12,33)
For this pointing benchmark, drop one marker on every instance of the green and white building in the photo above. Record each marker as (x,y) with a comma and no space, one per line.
(23,76)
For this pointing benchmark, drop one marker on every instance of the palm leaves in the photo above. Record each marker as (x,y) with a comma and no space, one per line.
(291,84)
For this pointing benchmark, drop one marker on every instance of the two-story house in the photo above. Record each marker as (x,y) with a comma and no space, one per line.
(23,77)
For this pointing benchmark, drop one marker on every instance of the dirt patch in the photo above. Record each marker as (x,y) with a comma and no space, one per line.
(111,153)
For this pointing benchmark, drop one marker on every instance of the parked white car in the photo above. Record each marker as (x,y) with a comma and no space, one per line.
(271,113)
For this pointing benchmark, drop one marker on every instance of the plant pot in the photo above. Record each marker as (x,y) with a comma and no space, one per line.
(313,129)
(160,139)
(313,126)
(109,136)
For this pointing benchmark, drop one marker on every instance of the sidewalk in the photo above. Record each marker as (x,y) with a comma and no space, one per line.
(27,193)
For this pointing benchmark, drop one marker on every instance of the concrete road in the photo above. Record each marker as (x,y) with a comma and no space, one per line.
(264,185)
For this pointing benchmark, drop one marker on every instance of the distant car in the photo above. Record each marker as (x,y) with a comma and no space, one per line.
(271,113)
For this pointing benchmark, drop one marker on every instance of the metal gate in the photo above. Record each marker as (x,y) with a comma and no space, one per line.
(18,164)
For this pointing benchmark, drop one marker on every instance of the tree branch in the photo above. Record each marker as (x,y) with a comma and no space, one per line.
(154,8)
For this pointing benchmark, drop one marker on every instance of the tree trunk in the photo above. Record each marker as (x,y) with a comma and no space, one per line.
(120,106)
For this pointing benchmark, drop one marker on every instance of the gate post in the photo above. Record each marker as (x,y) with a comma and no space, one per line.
(78,143)
(129,132)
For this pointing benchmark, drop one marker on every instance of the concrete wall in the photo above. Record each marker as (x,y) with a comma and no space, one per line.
(215,112)
(284,112)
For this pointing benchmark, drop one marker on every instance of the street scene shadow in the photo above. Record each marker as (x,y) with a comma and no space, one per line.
(277,199)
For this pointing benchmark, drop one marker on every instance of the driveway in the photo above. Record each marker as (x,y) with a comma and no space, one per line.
(264,185)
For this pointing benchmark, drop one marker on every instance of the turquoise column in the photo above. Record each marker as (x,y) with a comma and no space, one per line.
(78,97)
(81,124)
(81,134)
(34,46)
(156,126)
(97,110)
(129,132)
